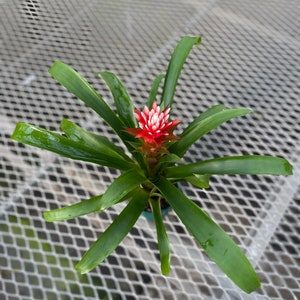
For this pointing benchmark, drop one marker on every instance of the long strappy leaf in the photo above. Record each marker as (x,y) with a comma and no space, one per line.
(121,97)
(193,133)
(177,60)
(114,234)
(45,139)
(154,89)
(231,165)
(213,239)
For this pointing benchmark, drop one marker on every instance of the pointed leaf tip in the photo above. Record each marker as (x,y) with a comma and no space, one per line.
(176,63)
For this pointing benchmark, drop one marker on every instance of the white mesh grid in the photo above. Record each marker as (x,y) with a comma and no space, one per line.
(249,57)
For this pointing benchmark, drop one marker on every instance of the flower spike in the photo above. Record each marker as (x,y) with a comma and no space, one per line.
(155,129)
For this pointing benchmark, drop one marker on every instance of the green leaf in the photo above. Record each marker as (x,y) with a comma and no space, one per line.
(120,187)
(78,86)
(72,211)
(121,97)
(166,160)
(248,164)
(201,181)
(44,139)
(208,113)
(92,140)
(162,237)
(170,159)
(193,133)
(114,234)
(154,88)
(92,205)
(213,239)
(177,60)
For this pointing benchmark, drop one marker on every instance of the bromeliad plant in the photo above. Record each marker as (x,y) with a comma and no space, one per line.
(156,164)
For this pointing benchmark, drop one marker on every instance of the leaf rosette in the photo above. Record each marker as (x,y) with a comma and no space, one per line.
(155,164)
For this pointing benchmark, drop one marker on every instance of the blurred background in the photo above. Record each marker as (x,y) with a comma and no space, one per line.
(249,57)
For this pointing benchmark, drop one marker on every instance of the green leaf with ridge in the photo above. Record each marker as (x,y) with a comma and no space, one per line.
(120,187)
(193,133)
(123,102)
(114,234)
(213,239)
(207,113)
(73,211)
(44,139)
(167,160)
(79,87)
(177,60)
(92,205)
(92,140)
(82,208)
(201,181)
(231,165)
(154,89)
(162,237)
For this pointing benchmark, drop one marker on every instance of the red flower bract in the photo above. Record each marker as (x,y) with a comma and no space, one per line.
(154,127)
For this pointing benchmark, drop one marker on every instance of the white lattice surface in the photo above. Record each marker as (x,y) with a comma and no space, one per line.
(249,57)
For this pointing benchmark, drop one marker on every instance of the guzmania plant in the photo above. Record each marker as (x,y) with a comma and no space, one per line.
(149,175)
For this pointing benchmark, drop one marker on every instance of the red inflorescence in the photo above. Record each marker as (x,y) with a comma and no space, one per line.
(154,128)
